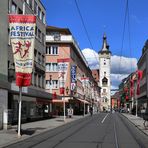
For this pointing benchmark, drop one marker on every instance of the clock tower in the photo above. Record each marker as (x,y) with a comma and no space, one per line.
(105,83)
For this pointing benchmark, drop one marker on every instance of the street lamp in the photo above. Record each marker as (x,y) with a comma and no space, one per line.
(50,82)
(67,90)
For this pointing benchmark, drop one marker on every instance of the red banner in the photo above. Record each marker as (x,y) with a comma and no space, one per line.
(22,34)
(63,65)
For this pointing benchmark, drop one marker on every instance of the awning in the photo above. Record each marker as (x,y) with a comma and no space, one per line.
(58,101)
(83,101)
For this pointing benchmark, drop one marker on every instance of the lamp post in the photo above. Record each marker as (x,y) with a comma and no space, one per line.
(84,95)
(50,82)
(67,90)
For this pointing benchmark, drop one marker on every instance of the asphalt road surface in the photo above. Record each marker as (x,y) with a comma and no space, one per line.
(103,130)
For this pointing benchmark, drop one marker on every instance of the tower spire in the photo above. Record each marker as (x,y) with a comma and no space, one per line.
(105,46)
(104,43)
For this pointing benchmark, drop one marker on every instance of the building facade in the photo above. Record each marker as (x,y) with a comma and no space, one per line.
(105,84)
(143,66)
(77,79)
(34,98)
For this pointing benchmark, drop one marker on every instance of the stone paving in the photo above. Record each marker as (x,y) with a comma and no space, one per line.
(9,136)
(137,121)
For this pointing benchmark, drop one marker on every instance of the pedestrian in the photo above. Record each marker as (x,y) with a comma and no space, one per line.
(91,111)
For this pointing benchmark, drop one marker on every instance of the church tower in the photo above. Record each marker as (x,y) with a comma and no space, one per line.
(105,83)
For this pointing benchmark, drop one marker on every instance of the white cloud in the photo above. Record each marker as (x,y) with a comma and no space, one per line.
(121,67)
(91,57)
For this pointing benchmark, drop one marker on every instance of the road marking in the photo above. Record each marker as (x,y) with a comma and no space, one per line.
(104,118)
(116,140)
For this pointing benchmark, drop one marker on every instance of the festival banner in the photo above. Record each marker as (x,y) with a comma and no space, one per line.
(22,34)
(62,70)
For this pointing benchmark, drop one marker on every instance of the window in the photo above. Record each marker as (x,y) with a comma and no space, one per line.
(43,60)
(13,8)
(20,11)
(35,55)
(43,81)
(9,37)
(53,50)
(51,67)
(39,12)
(43,38)
(39,58)
(35,7)
(36,31)
(35,79)
(39,34)
(30,3)
(39,81)
(104,81)
(54,84)
(43,17)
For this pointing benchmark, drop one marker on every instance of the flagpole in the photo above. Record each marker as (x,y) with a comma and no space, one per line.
(19,117)
(20,96)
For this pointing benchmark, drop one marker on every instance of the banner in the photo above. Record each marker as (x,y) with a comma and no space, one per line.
(62,70)
(73,77)
(22,34)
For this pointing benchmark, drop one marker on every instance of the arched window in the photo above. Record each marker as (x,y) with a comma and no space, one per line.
(104,81)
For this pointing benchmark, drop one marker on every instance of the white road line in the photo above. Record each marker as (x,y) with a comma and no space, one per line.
(104,118)
(116,140)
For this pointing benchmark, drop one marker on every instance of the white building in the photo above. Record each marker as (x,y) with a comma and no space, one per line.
(105,84)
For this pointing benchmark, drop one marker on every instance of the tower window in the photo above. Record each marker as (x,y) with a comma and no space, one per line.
(104,81)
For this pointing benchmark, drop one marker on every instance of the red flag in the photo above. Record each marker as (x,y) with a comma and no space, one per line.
(131,87)
(140,73)
(139,76)
(138,89)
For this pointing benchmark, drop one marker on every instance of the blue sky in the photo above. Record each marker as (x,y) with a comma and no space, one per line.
(102,16)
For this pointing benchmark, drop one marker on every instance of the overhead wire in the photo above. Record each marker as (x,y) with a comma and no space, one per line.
(129,35)
(123,33)
(84,26)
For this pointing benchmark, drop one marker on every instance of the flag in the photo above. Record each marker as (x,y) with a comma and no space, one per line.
(131,87)
(139,77)
(22,34)
(63,65)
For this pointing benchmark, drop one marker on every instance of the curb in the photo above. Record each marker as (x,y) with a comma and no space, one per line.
(135,125)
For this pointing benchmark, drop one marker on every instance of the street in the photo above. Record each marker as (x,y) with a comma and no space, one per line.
(102,130)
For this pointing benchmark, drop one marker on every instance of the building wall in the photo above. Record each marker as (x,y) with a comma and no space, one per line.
(7,81)
(67,48)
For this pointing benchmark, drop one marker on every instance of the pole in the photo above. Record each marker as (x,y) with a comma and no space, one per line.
(20,96)
(136,104)
(84,99)
(19,117)
(24,7)
(64,106)
(84,105)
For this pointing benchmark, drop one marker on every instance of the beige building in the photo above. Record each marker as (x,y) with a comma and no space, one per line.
(77,81)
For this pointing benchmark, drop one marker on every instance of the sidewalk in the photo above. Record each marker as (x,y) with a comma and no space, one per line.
(137,121)
(8,137)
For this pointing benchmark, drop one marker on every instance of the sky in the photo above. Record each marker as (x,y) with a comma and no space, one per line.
(99,17)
